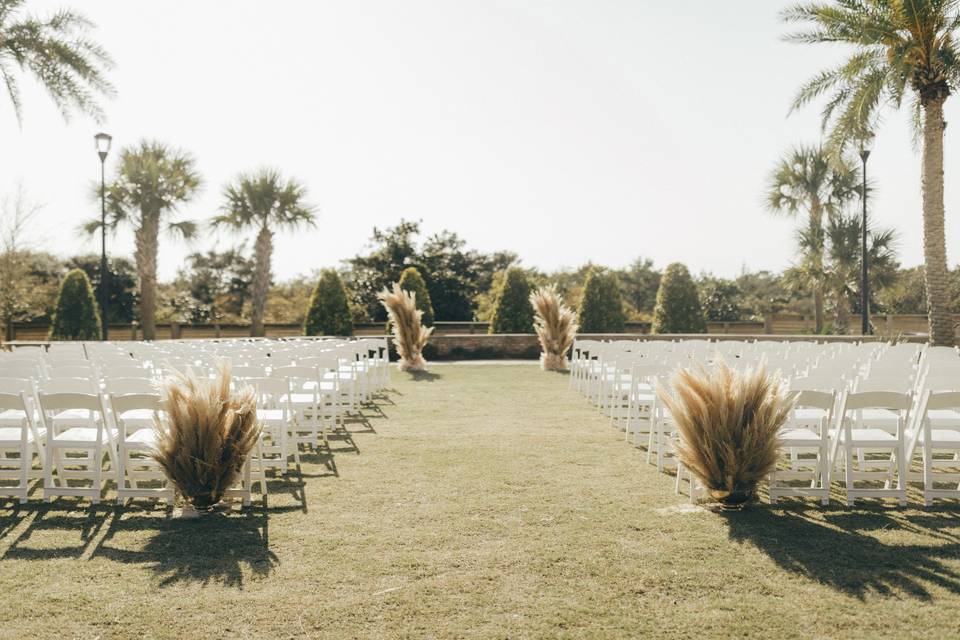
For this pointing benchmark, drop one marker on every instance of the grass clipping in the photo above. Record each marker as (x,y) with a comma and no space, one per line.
(556,327)
(729,424)
(205,435)
(409,334)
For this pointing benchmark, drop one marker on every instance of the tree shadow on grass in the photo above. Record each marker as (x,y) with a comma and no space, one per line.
(838,550)
(215,548)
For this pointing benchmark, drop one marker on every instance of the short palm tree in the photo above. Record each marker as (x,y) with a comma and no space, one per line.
(59,53)
(152,181)
(902,49)
(263,202)
(841,272)
(806,182)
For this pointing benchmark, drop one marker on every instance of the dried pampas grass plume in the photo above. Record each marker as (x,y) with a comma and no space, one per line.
(409,334)
(205,435)
(728,423)
(556,327)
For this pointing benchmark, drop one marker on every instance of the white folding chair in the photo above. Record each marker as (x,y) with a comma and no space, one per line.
(806,438)
(869,449)
(78,436)
(18,444)
(936,430)
(135,418)
(277,417)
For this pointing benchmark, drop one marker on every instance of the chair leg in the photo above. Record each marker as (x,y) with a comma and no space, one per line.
(121,473)
(848,471)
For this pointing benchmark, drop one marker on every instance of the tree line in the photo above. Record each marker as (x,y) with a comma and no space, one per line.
(456,283)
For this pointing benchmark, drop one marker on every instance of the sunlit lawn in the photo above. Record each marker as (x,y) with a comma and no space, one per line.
(480,501)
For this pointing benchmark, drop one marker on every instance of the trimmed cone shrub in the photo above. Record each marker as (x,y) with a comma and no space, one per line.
(409,334)
(601,307)
(76,316)
(678,307)
(728,423)
(513,312)
(555,325)
(412,281)
(328,313)
(205,435)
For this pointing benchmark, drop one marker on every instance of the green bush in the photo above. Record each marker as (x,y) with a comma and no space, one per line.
(328,312)
(513,312)
(678,303)
(601,305)
(76,316)
(411,280)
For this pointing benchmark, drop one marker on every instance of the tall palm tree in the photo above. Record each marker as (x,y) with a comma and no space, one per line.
(151,183)
(59,53)
(806,182)
(263,202)
(902,49)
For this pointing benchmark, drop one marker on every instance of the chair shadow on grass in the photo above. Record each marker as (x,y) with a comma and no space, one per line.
(77,524)
(836,548)
(217,548)
(424,376)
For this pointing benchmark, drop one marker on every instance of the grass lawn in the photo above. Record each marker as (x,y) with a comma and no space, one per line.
(480,501)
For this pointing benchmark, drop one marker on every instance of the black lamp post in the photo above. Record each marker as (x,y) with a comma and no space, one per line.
(864,258)
(103,148)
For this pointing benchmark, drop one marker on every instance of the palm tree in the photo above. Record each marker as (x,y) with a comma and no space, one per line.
(902,49)
(840,272)
(264,202)
(806,182)
(58,52)
(152,181)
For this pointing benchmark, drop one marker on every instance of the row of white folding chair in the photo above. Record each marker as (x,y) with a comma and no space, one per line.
(854,442)
(80,429)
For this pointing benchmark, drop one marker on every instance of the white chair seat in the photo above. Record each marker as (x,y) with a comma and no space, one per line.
(878,415)
(869,435)
(943,417)
(299,399)
(808,415)
(137,417)
(942,436)
(800,435)
(11,418)
(147,437)
(74,415)
(273,416)
(83,435)
(11,435)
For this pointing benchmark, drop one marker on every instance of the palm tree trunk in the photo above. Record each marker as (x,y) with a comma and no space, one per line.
(146,239)
(816,231)
(263,251)
(818,310)
(843,314)
(934,243)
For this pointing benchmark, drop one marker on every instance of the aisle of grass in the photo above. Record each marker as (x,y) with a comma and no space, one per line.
(480,501)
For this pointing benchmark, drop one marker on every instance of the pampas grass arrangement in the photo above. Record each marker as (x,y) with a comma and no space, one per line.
(556,327)
(728,423)
(205,435)
(409,334)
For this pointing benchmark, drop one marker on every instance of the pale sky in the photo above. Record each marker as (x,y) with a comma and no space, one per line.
(566,131)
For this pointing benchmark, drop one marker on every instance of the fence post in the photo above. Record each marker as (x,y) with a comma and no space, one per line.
(768,324)
(174,330)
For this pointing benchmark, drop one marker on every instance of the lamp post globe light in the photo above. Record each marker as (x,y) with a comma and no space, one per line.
(865,141)
(103,141)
